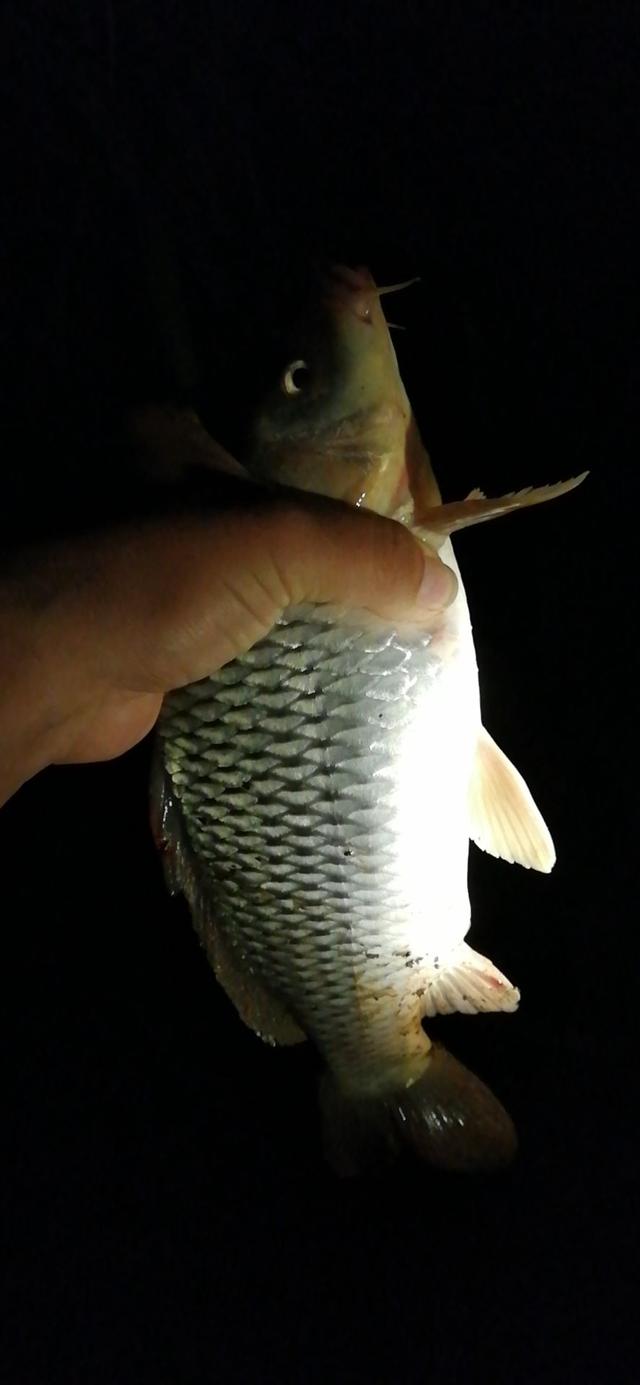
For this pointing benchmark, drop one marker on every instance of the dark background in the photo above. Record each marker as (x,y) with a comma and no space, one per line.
(169,173)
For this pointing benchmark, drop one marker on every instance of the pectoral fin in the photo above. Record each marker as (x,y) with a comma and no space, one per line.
(503,818)
(459,514)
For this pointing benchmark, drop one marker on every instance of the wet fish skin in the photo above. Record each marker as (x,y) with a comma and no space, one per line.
(288,767)
(315,797)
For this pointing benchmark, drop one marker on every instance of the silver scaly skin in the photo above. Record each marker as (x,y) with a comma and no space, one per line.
(302,774)
(285,767)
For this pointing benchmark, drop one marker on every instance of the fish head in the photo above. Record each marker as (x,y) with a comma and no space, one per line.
(338,420)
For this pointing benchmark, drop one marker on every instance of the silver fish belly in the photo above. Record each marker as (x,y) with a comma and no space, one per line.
(322,783)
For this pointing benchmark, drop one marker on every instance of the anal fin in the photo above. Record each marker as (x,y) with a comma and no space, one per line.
(503,817)
(466,983)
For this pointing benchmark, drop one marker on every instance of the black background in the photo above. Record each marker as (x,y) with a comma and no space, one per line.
(169,173)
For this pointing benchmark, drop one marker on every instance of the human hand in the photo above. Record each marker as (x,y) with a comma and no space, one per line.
(94,632)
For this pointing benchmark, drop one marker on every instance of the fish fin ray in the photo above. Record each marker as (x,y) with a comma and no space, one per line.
(476,509)
(503,817)
(447,1118)
(466,983)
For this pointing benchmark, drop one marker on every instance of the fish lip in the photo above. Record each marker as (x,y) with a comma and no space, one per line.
(353,289)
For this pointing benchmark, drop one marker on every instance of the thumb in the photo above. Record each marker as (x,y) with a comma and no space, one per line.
(180,598)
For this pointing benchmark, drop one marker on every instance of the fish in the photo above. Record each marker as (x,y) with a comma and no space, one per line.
(314,799)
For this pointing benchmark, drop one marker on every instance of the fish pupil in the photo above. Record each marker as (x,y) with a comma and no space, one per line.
(296,377)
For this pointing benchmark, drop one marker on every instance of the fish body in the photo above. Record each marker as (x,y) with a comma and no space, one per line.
(315,797)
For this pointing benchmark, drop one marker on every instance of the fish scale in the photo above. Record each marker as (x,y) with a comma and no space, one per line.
(307,841)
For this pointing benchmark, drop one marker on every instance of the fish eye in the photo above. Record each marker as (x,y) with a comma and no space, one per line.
(295,377)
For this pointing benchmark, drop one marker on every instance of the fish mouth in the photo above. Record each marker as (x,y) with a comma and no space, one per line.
(353,289)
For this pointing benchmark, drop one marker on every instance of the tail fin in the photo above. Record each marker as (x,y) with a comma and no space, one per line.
(447,1118)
